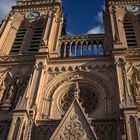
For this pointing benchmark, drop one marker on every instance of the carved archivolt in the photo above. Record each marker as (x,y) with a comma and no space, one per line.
(97,81)
(74,76)
(87,98)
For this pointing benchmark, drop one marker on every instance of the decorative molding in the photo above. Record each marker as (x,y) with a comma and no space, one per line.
(51,88)
(54,71)
(18,58)
(123,2)
(81,38)
(133,52)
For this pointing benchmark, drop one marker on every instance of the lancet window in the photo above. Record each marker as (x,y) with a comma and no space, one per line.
(36,39)
(18,40)
(130,33)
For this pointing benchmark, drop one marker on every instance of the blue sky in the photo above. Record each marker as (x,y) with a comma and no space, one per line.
(83,17)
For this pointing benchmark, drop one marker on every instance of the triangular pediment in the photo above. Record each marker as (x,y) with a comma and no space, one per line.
(74,125)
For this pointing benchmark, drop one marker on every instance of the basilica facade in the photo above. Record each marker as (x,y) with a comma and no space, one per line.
(55,86)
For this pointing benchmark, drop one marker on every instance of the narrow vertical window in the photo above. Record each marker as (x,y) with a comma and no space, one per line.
(36,40)
(19,40)
(130,34)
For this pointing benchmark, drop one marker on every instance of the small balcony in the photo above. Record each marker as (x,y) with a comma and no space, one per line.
(82,45)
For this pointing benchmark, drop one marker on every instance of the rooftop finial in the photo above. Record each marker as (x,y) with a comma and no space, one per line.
(76,91)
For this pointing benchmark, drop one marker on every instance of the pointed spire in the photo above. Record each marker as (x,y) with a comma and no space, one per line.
(76,91)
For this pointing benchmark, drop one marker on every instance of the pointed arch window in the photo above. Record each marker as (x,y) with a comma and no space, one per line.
(36,39)
(130,34)
(18,40)
(16,129)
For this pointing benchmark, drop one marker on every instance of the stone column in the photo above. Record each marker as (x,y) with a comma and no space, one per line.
(47,107)
(20,130)
(12,129)
(47,30)
(113,19)
(4,23)
(9,39)
(54,33)
(120,83)
(35,84)
(5,33)
(40,94)
(27,40)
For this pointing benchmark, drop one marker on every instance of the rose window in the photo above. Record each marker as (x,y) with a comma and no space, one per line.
(87,97)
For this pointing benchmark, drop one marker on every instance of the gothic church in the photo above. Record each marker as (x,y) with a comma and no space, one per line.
(55,86)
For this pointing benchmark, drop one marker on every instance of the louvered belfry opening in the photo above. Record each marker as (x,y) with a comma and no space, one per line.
(36,39)
(19,40)
(130,34)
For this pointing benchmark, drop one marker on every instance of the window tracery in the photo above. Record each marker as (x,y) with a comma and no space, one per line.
(87,98)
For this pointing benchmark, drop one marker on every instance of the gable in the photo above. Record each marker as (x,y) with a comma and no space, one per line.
(74,125)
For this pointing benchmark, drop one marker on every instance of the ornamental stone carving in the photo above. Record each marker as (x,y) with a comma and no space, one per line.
(73,130)
(134,79)
(87,98)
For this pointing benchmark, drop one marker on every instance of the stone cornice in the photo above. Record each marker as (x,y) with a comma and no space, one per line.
(36,5)
(133,53)
(122,2)
(92,36)
(80,59)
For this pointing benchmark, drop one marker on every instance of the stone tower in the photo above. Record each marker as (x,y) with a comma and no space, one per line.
(71,87)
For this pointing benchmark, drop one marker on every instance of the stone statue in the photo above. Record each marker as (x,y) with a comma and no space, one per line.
(12,90)
(4,81)
(135,83)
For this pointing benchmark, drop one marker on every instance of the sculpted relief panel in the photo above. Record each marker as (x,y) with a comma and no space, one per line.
(12,88)
(73,130)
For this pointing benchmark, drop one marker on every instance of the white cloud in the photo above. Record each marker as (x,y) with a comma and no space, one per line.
(96,30)
(5,7)
(69,33)
(99,28)
(99,17)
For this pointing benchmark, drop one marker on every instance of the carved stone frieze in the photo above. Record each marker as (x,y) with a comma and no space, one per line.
(75,39)
(53,72)
(133,52)
(23,6)
(123,2)
(22,58)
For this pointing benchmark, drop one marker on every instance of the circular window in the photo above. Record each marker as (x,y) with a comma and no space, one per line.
(88,100)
